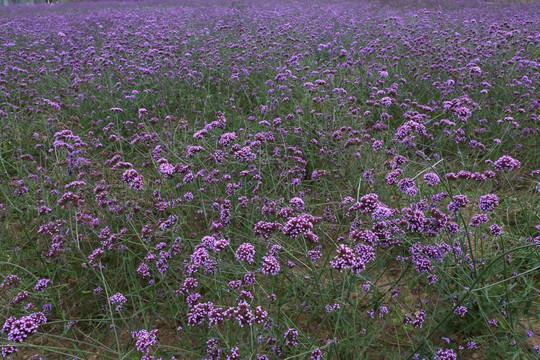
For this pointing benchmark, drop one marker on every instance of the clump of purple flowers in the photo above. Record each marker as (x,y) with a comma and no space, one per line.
(458,202)
(445,354)
(270,265)
(119,300)
(408,186)
(145,339)
(506,163)
(18,330)
(245,253)
(42,285)
(487,203)
(431,179)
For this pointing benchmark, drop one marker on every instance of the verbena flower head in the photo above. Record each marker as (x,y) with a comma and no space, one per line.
(119,300)
(270,265)
(18,330)
(145,339)
(506,163)
(246,253)
(488,202)
(408,187)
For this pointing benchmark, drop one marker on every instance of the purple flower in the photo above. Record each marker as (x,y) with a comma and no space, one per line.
(243,314)
(417,321)
(506,163)
(408,187)
(392,176)
(10,280)
(316,354)
(431,179)
(459,201)
(245,253)
(445,354)
(290,337)
(460,310)
(167,170)
(488,202)
(297,203)
(145,339)
(17,330)
(347,259)
(119,299)
(42,285)
(301,224)
(478,219)
(7,351)
(367,204)
(495,230)
(270,265)
(198,313)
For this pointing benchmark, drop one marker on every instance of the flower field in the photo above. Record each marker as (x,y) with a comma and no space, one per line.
(274,179)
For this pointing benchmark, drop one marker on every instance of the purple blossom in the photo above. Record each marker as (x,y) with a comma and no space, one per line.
(431,179)
(290,337)
(506,163)
(478,219)
(445,354)
(298,225)
(408,187)
(488,202)
(42,285)
(270,265)
(458,202)
(245,252)
(145,339)
(18,330)
(119,300)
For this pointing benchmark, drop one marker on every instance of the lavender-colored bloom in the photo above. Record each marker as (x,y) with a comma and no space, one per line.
(488,202)
(118,299)
(408,186)
(10,280)
(460,310)
(270,265)
(479,219)
(417,321)
(431,179)
(18,330)
(506,163)
(495,230)
(392,176)
(145,339)
(316,354)
(7,351)
(42,285)
(297,203)
(166,169)
(290,337)
(458,202)
(301,224)
(199,313)
(347,259)
(244,314)
(245,253)
(445,354)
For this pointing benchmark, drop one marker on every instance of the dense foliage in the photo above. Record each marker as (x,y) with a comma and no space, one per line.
(269,180)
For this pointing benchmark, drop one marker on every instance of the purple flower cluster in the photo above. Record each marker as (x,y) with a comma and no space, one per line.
(506,163)
(487,203)
(245,253)
(119,300)
(18,330)
(145,339)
